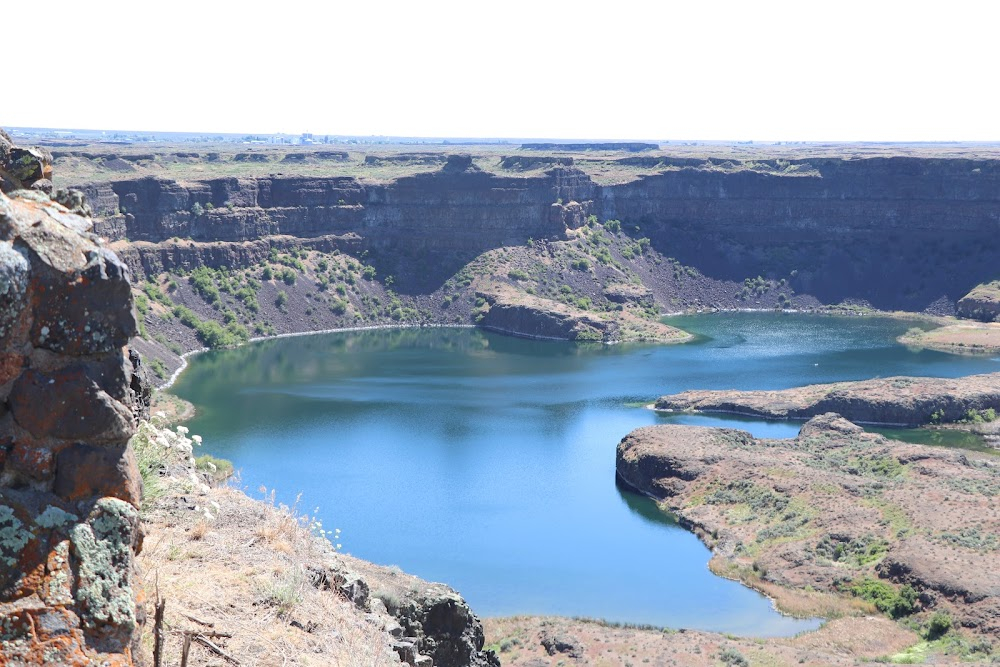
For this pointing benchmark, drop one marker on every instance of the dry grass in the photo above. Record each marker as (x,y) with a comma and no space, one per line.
(246,571)
(961,337)
(795,602)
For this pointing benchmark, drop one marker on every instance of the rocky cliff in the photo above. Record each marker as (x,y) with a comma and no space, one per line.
(897,232)
(70,397)
(982,302)
(905,401)
(900,233)
(906,527)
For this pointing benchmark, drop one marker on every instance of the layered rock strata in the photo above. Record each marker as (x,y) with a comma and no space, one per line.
(921,230)
(512,312)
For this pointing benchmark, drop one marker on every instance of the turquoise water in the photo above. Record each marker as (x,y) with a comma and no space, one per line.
(487,462)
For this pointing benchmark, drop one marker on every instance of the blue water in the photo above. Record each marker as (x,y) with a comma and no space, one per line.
(487,462)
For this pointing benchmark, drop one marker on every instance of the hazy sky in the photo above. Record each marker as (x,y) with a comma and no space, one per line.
(789,70)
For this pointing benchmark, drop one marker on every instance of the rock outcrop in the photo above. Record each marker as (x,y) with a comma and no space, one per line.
(69,400)
(509,311)
(431,620)
(922,229)
(981,303)
(831,509)
(904,401)
(420,229)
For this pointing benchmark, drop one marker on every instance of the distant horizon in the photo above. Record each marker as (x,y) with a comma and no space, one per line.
(484,139)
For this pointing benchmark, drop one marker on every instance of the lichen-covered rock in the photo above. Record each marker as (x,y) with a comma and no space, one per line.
(14,269)
(70,395)
(103,548)
(66,583)
(23,167)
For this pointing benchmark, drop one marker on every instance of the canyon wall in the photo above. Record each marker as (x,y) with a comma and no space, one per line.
(70,397)
(907,233)
(898,232)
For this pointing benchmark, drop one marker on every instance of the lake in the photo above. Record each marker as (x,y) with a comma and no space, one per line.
(488,462)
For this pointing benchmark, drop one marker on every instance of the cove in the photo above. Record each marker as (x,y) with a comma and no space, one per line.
(487,462)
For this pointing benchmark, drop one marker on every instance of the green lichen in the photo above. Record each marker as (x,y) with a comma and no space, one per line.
(13,537)
(53,517)
(103,548)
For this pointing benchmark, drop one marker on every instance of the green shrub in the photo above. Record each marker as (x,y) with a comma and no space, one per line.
(249,298)
(580,264)
(218,469)
(291,262)
(938,626)
(281,299)
(159,370)
(268,273)
(613,226)
(288,276)
(142,303)
(888,600)
(732,657)
(156,294)
(202,280)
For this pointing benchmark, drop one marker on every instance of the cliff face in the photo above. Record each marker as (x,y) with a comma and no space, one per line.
(69,400)
(422,228)
(897,232)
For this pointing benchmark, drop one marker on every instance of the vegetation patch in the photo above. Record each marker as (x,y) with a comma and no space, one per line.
(887,599)
(856,552)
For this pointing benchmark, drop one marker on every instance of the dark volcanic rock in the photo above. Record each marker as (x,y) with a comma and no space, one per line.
(908,401)
(834,504)
(982,303)
(69,397)
(786,223)
(433,619)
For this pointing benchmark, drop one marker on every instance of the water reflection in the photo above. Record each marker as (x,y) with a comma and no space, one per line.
(486,461)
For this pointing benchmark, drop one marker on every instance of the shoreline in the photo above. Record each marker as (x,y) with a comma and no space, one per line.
(902,315)
(703,533)
(295,334)
(803,420)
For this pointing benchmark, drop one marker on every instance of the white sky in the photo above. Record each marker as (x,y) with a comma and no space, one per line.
(761,70)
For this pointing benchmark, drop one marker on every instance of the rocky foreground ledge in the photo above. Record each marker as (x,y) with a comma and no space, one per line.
(276,584)
(70,396)
(904,401)
(834,517)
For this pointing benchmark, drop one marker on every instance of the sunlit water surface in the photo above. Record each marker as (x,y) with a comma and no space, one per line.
(487,462)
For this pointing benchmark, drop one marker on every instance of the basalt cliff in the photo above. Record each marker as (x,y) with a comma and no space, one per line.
(898,232)
(70,397)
